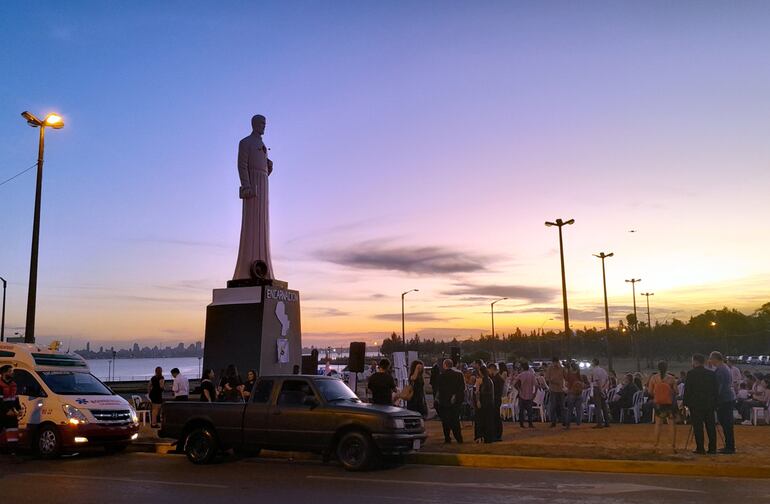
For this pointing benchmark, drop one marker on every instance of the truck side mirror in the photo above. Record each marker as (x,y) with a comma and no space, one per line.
(310,401)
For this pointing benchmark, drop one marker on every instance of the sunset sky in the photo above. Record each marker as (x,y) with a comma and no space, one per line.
(416,145)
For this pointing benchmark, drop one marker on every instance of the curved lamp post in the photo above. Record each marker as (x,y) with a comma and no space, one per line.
(54,121)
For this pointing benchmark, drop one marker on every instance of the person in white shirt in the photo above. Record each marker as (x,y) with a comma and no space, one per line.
(181,386)
(599,387)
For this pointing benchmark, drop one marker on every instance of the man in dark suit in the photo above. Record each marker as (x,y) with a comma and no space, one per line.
(451,392)
(499,385)
(700,396)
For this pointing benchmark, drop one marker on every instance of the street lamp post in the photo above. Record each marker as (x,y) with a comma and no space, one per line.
(492,305)
(603,256)
(2,322)
(539,348)
(649,327)
(634,344)
(403,332)
(56,122)
(560,223)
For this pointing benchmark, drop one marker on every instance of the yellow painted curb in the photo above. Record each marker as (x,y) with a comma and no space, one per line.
(589,465)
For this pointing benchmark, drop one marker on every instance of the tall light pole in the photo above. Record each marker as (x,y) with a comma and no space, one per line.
(647,295)
(603,256)
(649,328)
(539,349)
(403,332)
(560,223)
(633,282)
(2,322)
(54,121)
(492,306)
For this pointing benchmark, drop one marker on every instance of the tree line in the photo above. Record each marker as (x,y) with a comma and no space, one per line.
(727,330)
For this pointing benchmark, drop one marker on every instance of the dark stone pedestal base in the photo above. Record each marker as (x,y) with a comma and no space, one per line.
(249,327)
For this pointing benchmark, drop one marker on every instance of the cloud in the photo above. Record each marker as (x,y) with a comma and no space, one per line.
(330,312)
(528,293)
(413,316)
(417,260)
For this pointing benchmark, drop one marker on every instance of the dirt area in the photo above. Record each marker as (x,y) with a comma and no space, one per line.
(628,442)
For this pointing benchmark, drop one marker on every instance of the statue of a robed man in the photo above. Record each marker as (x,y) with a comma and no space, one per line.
(253,169)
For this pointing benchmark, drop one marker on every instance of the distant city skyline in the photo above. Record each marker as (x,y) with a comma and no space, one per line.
(415,146)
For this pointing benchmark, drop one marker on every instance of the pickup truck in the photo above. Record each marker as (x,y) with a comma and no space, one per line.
(296,413)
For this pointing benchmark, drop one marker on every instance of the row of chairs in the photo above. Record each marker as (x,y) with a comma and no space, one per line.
(510,407)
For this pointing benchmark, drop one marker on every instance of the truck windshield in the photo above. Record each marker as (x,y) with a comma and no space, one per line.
(336,390)
(73,383)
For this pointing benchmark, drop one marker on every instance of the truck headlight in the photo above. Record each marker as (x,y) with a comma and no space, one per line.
(74,416)
(397,423)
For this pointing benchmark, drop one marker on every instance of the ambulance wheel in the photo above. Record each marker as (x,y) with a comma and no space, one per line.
(48,442)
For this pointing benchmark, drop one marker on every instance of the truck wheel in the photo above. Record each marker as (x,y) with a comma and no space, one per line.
(201,446)
(355,451)
(48,442)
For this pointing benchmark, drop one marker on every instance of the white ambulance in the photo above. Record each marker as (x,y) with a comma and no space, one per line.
(64,407)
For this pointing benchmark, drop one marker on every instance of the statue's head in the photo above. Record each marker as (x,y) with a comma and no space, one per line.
(258,123)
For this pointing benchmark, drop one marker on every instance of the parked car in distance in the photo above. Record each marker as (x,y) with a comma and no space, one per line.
(297,413)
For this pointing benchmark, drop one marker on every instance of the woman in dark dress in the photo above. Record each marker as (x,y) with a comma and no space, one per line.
(485,406)
(155,393)
(417,382)
(208,390)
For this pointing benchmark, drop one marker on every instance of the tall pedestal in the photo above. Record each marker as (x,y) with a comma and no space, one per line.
(253,327)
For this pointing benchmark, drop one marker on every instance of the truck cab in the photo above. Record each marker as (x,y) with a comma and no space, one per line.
(64,408)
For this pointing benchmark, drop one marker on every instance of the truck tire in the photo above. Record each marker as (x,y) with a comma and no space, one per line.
(48,442)
(201,446)
(355,451)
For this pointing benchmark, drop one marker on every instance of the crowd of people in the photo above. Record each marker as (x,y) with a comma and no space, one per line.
(230,388)
(713,392)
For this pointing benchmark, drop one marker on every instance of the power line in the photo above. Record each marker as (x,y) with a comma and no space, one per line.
(18,174)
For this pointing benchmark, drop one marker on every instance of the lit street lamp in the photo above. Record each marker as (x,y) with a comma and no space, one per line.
(403,332)
(560,223)
(492,305)
(603,256)
(2,322)
(54,121)
(633,282)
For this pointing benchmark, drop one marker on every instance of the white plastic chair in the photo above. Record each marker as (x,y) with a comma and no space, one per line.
(765,411)
(538,404)
(636,407)
(143,414)
(588,407)
(507,408)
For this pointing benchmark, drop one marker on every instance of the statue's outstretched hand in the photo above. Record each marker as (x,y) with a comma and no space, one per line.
(246,192)
(269,167)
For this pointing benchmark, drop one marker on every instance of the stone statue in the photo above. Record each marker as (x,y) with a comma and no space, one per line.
(253,170)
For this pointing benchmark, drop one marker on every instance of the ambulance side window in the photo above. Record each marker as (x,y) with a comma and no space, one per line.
(26,384)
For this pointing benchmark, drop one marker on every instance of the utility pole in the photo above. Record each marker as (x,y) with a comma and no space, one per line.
(560,223)
(2,322)
(649,327)
(635,342)
(492,306)
(603,256)
(403,332)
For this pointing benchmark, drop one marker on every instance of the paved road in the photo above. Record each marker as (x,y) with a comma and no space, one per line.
(143,477)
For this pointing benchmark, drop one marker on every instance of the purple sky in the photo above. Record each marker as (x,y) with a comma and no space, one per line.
(416,145)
